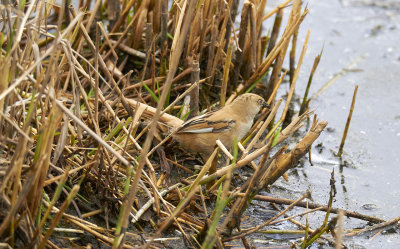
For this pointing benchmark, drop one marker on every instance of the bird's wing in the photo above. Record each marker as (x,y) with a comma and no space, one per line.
(203,124)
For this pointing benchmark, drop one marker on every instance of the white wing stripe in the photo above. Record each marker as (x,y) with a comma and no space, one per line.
(204,130)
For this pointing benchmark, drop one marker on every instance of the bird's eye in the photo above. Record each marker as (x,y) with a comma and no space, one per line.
(260,102)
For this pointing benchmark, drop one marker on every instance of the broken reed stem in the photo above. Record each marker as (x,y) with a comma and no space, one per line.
(339,231)
(304,103)
(307,229)
(278,62)
(281,6)
(324,208)
(226,76)
(239,50)
(346,129)
(292,57)
(309,239)
(194,94)
(296,74)
(275,30)
(255,229)
(150,202)
(231,21)
(337,76)
(382,225)
(292,53)
(259,17)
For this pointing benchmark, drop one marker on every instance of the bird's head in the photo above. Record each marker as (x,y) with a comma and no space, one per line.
(249,103)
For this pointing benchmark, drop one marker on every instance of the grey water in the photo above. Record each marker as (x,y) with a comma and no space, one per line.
(360,41)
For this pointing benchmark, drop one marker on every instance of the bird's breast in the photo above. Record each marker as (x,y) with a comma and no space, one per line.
(243,128)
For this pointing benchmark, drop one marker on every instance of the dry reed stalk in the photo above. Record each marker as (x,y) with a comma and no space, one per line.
(305,102)
(273,94)
(90,132)
(4,72)
(130,50)
(277,68)
(264,125)
(246,152)
(259,17)
(225,14)
(375,227)
(254,39)
(314,206)
(252,230)
(278,8)
(156,13)
(295,76)
(147,72)
(309,238)
(266,176)
(106,71)
(211,48)
(150,202)
(239,50)
(308,211)
(176,51)
(49,51)
(260,71)
(57,218)
(194,94)
(339,231)
(140,13)
(330,82)
(226,75)
(292,53)
(164,30)
(192,49)
(346,129)
(306,228)
(294,126)
(70,172)
(173,216)
(99,133)
(233,13)
(285,161)
(42,159)
(241,203)
(124,13)
(213,234)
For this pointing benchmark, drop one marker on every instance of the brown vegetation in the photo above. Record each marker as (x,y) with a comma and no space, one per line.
(86,99)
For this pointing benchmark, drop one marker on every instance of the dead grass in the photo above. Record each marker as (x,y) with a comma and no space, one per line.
(87,99)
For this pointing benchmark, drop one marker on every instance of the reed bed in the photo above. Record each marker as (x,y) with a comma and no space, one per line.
(88,100)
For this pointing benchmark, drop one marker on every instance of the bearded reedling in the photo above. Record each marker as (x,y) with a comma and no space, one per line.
(234,120)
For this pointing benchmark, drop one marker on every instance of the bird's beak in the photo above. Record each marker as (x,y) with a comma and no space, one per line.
(265,105)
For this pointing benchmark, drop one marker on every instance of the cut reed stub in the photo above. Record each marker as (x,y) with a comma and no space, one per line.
(346,129)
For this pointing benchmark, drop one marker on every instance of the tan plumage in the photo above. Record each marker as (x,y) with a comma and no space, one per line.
(233,120)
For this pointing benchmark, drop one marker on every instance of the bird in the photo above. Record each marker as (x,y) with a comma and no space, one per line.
(234,120)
